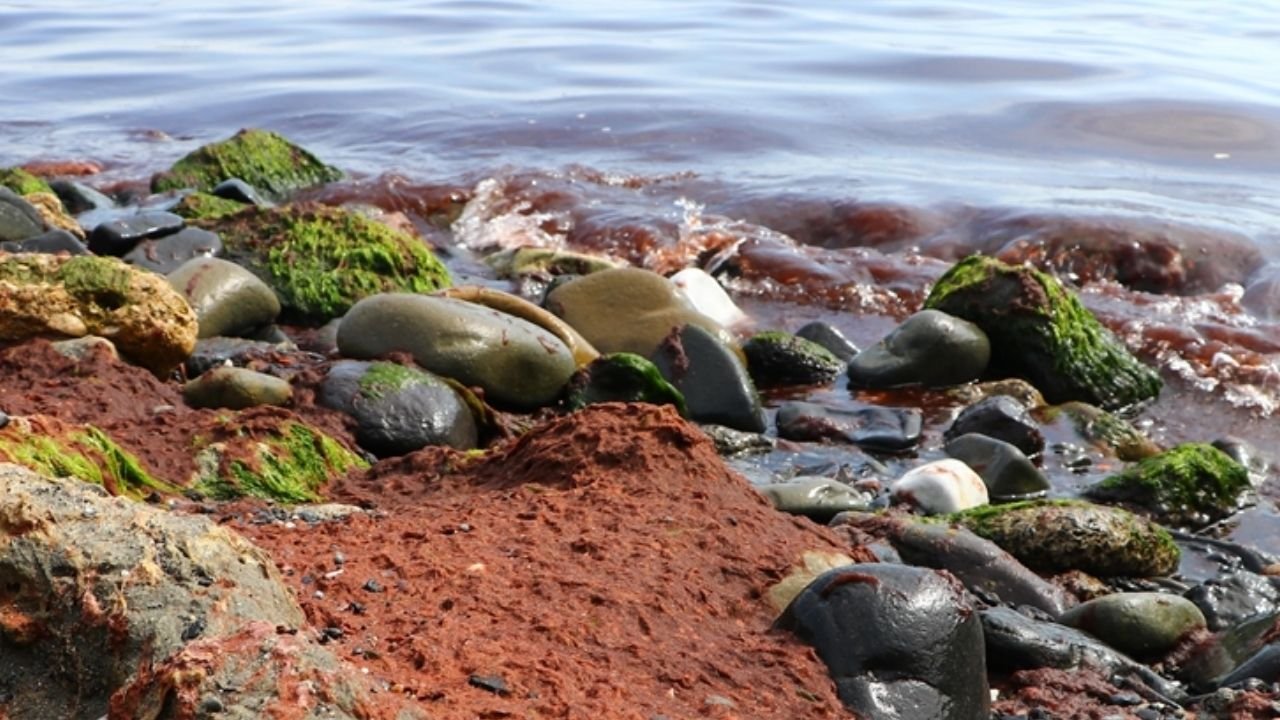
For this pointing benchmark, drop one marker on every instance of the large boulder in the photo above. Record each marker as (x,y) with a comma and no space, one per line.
(140,313)
(1040,331)
(261,158)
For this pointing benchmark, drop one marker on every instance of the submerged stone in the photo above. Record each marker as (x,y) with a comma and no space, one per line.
(1108,431)
(870,427)
(1193,483)
(1041,332)
(261,158)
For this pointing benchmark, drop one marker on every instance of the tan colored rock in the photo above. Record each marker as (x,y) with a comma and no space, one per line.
(53,213)
(57,296)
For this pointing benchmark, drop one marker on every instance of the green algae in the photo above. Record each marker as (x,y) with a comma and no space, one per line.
(291,465)
(203,206)
(22,182)
(321,260)
(85,453)
(778,359)
(264,159)
(1192,484)
(1041,332)
(622,377)
(387,377)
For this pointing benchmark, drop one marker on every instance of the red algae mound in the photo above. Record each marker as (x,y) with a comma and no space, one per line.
(605,564)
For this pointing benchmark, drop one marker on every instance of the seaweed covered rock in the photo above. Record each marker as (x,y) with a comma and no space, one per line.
(1060,535)
(22,182)
(1041,332)
(621,377)
(261,158)
(46,295)
(84,452)
(778,359)
(321,260)
(1191,484)
(203,206)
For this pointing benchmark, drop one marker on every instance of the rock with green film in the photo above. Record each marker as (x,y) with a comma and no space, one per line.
(321,260)
(23,182)
(264,159)
(203,206)
(779,359)
(622,377)
(138,311)
(84,452)
(1041,332)
(1109,432)
(1191,484)
(1059,535)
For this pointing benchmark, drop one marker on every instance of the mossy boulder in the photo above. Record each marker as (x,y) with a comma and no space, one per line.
(85,452)
(203,206)
(138,311)
(271,456)
(622,377)
(1060,535)
(1191,484)
(321,260)
(779,359)
(23,182)
(1041,332)
(265,160)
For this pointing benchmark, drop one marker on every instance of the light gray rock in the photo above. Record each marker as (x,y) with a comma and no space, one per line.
(818,498)
(165,254)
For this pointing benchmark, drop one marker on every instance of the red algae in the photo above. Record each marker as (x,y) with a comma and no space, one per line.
(605,564)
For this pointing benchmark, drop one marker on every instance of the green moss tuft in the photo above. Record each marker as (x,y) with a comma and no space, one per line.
(203,206)
(23,182)
(265,160)
(1041,332)
(388,377)
(1193,483)
(622,377)
(87,454)
(103,281)
(290,467)
(322,260)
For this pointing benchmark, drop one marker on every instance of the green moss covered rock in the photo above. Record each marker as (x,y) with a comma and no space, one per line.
(622,377)
(321,260)
(1040,331)
(1059,535)
(84,452)
(203,206)
(1191,484)
(779,359)
(23,182)
(265,160)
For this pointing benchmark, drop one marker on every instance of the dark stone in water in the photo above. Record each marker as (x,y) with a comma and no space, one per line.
(1233,598)
(18,218)
(830,338)
(1000,417)
(52,242)
(777,359)
(930,348)
(117,237)
(714,383)
(1008,474)
(870,427)
(78,198)
(168,253)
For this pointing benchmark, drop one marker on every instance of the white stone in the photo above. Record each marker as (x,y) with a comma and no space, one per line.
(708,297)
(942,486)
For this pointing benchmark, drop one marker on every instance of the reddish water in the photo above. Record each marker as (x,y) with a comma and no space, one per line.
(828,162)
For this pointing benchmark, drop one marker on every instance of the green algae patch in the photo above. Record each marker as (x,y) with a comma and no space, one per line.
(265,160)
(23,182)
(1040,331)
(387,377)
(286,462)
(1191,484)
(84,452)
(622,377)
(779,359)
(1060,535)
(203,206)
(321,260)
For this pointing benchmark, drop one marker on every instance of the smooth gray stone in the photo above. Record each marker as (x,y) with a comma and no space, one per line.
(117,237)
(1008,474)
(1144,625)
(714,383)
(227,299)
(517,363)
(398,409)
(166,254)
(1000,417)
(238,190)
(815,497)
(19,219)
(899,641)
(930,348)
(52,243)
(79,198)
(870,427)
(236,388)
(830,338)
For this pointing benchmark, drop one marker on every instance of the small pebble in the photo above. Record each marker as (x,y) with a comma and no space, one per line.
(373,586)
(492,683)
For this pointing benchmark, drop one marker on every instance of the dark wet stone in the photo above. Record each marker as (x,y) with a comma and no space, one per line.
(166,254)
(986,570)
(52,242)
(19,219)
(1144,625)
(777,359)
(1008,473)
(1235,597)
(238,190)
(1262,665)
(1226,651)
(1245,453)
(870,427)
(1000,417)
(236,388)
(398,409)
(830,338)
(215,351)
(899,641)
(119,236)
(79,198)
(714,383)
(621,377)
(493,683)
(930,348)
(1016,642)
(817,498)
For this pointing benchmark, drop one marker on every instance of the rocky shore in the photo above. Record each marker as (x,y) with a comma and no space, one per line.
(270,454)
